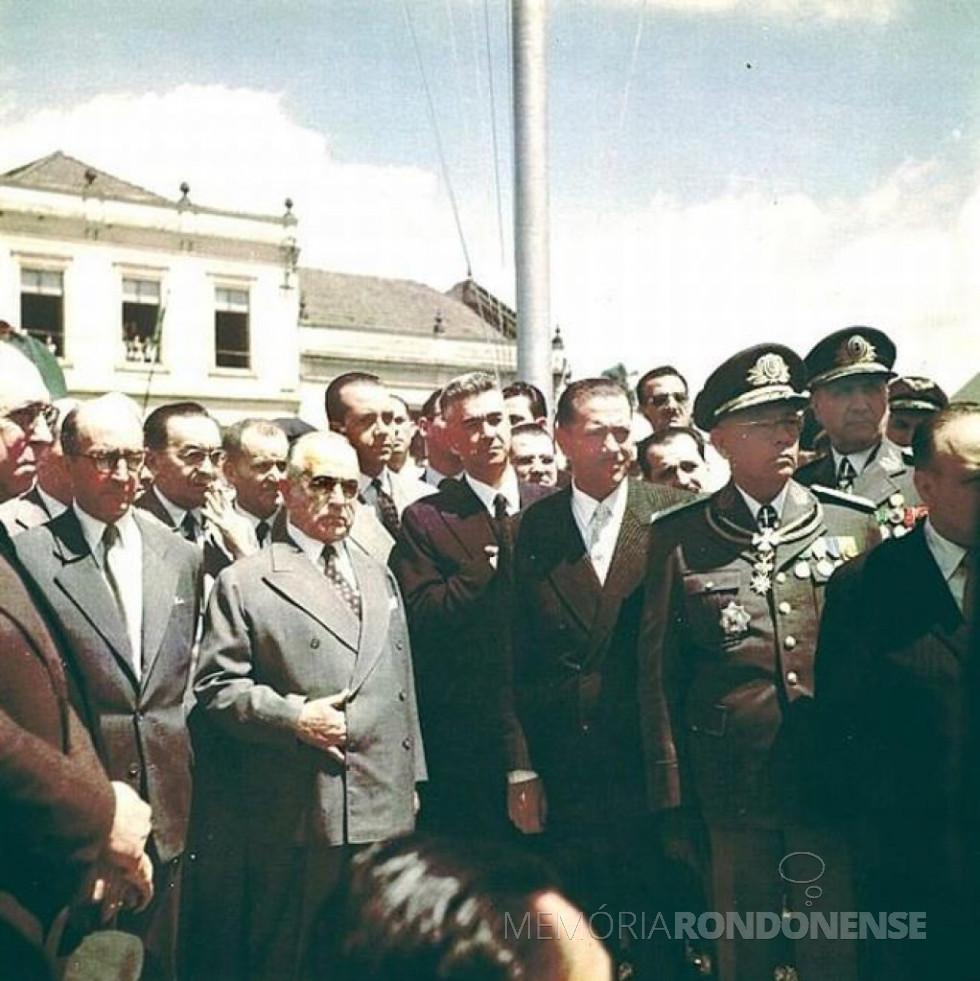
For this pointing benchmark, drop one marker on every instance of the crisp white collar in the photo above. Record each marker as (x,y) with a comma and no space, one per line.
(92,530)
(508,487)
(948,555)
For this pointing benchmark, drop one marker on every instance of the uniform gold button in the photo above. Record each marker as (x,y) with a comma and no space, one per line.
(784,608)
(789,643)
(792,678)
(780,577)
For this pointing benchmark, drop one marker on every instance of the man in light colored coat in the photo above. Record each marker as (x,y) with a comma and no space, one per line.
(305,659)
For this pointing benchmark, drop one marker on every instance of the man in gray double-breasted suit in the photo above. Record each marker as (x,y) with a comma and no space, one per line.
(305,659)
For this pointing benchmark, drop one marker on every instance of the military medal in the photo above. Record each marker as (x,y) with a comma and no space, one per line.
(825,567)
(734,619)
(760,583)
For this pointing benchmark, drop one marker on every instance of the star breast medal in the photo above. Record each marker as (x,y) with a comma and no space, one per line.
(734,619)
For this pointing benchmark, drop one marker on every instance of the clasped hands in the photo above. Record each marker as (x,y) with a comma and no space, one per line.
(323,724)
(122,877)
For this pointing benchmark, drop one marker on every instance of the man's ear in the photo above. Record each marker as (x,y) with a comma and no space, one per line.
(719,440)
(923,480)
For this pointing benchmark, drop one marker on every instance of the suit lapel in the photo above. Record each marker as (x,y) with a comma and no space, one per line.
(569,567)
(81,580)
(372,582)
(162,576)
(467,519)
(292,576)
(627,568)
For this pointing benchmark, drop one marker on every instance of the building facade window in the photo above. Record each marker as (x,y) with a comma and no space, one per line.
(231,328)
(42,307)
(141,318)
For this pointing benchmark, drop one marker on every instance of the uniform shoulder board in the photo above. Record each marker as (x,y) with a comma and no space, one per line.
(695,502)
(830,495)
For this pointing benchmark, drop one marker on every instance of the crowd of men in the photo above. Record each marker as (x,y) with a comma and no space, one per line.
(666,650)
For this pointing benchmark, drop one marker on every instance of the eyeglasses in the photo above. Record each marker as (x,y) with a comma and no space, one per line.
(196,457)
(770,427)
(106,461)
(662,399)
(323,485)
(26,416)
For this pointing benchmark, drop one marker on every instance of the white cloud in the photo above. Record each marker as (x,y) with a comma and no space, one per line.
(671,282)
(873,11)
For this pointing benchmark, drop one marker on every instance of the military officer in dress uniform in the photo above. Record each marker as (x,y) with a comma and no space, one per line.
(733,597)
(848,373)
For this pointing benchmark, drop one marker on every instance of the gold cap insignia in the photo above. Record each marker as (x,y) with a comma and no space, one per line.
(770,369)
(858,350)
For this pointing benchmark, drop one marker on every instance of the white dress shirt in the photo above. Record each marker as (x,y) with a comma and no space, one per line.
(949,558)
(584,509)
(508,487)
(754,506)
(312,548)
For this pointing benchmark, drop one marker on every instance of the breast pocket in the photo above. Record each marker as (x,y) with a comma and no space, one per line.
(713,613)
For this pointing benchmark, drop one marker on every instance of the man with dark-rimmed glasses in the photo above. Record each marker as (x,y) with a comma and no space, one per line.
(26,418)
(305,663)
(124,593)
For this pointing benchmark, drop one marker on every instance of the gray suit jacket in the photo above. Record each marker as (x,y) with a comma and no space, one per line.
(142,732)
(276,634)
(20,513)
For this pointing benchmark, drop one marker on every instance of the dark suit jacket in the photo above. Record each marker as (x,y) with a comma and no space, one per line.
(275,634)
(56,804)
(459,614)
(894,686)
(214,557)
(141,724)
(888,473)
(726,670)
(575,657)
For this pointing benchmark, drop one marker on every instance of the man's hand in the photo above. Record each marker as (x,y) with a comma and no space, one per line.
(115,891)
(236,531)
(130,829)
(527,805)
(323,724)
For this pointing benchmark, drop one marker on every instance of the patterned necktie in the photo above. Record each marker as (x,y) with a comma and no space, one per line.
(387,509)
(767,518)
(846,475)
(348,592)
(189,527)
(262,532)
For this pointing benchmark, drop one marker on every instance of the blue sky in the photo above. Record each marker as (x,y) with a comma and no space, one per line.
(722,171)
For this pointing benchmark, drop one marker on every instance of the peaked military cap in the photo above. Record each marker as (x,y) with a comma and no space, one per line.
(917,393)
(851,351)
(759,375)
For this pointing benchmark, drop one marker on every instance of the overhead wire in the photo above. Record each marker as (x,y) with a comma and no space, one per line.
(438,138)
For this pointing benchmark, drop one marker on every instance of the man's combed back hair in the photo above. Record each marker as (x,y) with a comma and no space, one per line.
(662,438)
(465,387)
(332,399)
(533,394)
(155,427)
(430,407)
(926,433)
(582,390)
(232,436)
(418,910)
(664,371)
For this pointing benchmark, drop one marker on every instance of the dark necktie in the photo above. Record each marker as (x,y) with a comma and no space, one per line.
(262,532)
(348,593)
(189,527)
(767,518)
(501,521)
(846,475)
(387,509)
